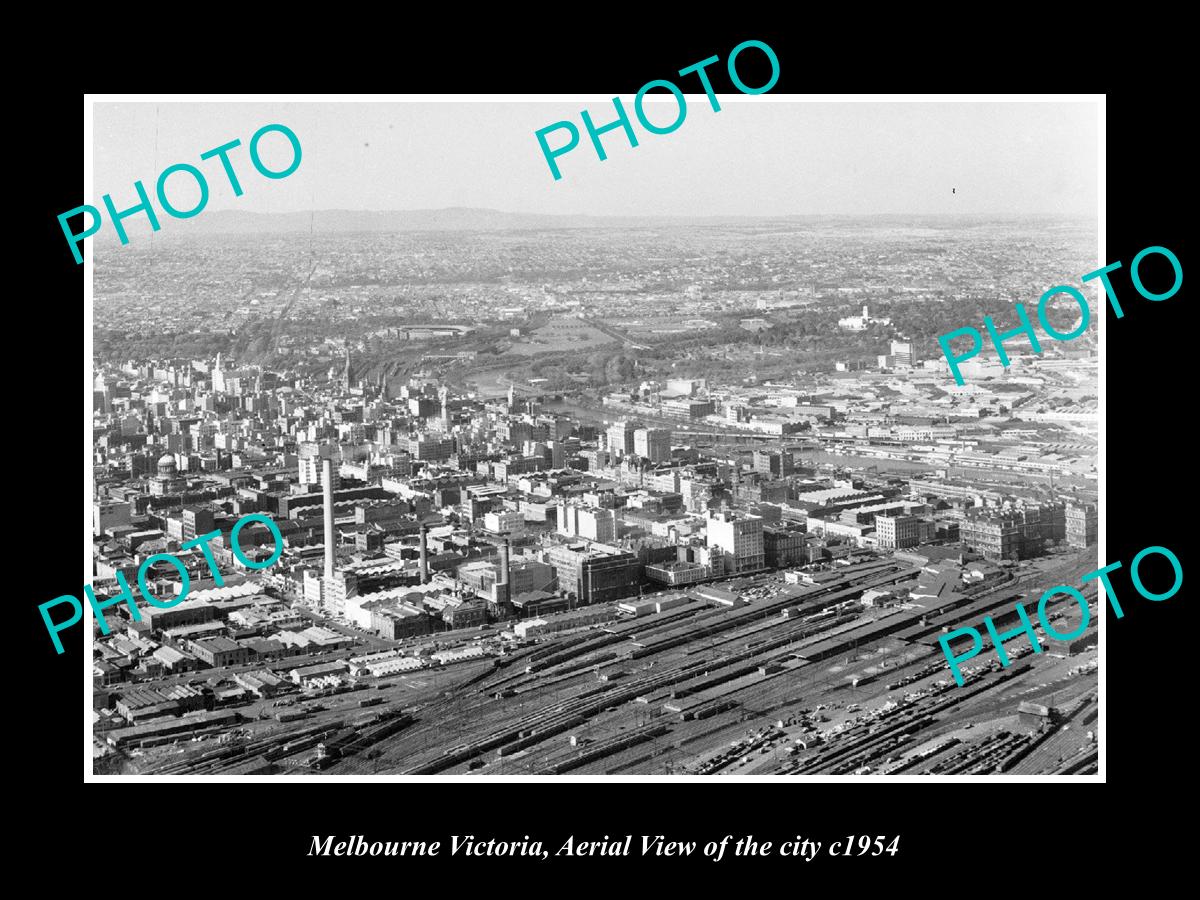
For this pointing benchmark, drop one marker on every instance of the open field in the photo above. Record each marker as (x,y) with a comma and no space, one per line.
(559,334)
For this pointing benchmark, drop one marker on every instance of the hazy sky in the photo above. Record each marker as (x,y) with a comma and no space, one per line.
(757,156)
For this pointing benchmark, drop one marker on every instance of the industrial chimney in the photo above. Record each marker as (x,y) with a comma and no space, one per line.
(502,572)
(330,537)
(424,553)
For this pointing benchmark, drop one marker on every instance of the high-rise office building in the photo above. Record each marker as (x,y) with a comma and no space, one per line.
(431,449)
(777,463)
(897,532)
(653,444)
(1083,522)
(589,522)
(783,545)
(620,438)
(595,573)
(740,538)
(108,514)
(311,457)
(902,353)
(337,589)
(503,521)
(422,407)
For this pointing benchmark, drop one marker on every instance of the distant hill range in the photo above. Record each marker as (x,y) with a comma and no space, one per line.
(455,218)
(461,218)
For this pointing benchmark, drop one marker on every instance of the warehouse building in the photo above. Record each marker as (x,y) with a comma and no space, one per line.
(190,612)
(220,651)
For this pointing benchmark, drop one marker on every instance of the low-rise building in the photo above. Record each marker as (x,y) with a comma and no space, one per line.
(175,661)
(580,618)
(318,675)
(220,651)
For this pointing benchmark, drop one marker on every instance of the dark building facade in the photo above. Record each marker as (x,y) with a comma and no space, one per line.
(783,545)
(1013,533)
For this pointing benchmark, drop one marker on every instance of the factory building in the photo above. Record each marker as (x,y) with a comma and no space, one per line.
(568,621)
(595,573)
(220,651)
(187,613)
(400,621)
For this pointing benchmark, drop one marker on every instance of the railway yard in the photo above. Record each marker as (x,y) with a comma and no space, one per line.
(800,679)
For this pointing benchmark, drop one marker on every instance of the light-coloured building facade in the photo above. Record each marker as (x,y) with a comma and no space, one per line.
(740,538)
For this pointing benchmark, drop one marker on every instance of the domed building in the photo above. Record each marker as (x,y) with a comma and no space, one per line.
(167,481)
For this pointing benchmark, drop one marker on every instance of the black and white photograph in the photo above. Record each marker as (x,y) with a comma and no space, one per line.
(518,436)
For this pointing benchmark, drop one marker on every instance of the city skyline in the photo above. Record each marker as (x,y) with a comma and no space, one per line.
(760,490)
(664,496)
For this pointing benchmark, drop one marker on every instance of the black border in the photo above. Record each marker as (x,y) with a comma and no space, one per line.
(961,829)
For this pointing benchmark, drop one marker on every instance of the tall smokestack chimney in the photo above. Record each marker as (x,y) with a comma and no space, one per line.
(424,553)
(327,489)
(502,572)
